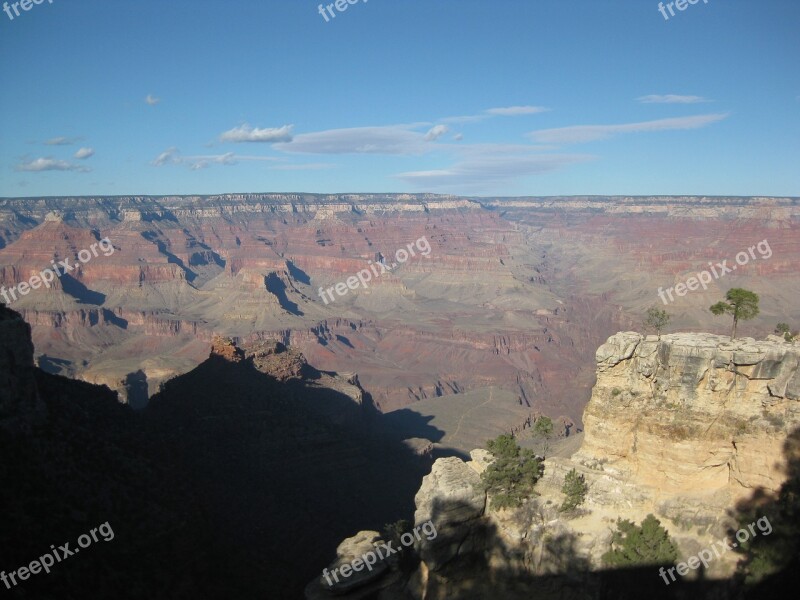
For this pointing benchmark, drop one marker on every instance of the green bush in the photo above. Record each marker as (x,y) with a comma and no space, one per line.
(575,489)
(511,477)
(648,544)
(543,427)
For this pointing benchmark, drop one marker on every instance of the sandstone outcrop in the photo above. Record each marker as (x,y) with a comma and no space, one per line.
(686,427)
(693,414)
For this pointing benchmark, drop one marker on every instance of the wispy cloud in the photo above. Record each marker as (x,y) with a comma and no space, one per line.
(671,99)
(435,132)
(466,119)
(84,153)
(62,141)
(49,164)
(172,156)
(245,133)
(488,168)
(507,111)
(196,163)
(589,133)
(515,111)
(168,157)
(390,139)
(152,100)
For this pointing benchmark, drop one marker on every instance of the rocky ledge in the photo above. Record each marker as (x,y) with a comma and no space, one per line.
(689,427)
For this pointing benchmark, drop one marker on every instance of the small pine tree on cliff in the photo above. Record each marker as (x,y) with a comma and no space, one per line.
(649,544)
(656,319)
(741,303)
(575,489)
(512,475)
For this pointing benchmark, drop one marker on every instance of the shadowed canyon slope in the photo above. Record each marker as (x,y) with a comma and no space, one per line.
(237,480)
(515,294)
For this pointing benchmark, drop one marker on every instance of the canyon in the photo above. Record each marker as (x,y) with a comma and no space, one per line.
(515,295)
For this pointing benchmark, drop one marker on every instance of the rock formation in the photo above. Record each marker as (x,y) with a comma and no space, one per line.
(235,481)
(686,427)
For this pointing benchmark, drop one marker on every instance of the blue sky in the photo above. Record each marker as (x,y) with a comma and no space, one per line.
(512,97)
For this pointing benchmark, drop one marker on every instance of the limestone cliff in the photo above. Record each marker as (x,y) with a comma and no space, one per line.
(693,415)
(684,427)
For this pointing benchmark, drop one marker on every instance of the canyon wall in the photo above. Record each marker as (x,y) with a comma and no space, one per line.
(692,428)
(515,294)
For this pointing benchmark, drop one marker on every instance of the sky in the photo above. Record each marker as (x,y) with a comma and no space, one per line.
(469,97)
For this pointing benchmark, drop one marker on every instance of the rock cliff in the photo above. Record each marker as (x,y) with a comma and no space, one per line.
(689,427)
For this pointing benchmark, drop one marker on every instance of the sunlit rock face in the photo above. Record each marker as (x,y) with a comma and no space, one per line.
(694,414)
(692,427)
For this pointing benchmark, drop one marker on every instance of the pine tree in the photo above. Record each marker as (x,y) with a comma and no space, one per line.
(511,477)
(649,544)
(575,489)
(741,303)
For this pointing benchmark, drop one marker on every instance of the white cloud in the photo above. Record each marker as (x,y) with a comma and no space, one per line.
(50,164)
(435,132)
(515,111)
(458,137)
(172,156)
(390,139)
(671,99)
(152,100)
(588,133)
(202,162)
(245,133)
(62,141)
(508,111)
(84,153)
(168,157)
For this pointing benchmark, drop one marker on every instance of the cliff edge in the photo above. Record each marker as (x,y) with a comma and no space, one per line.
(688,427)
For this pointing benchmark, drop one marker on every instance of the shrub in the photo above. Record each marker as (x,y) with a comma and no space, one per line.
(648,544)
(783,330)
(511,477)
(543,427)
(575,489)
